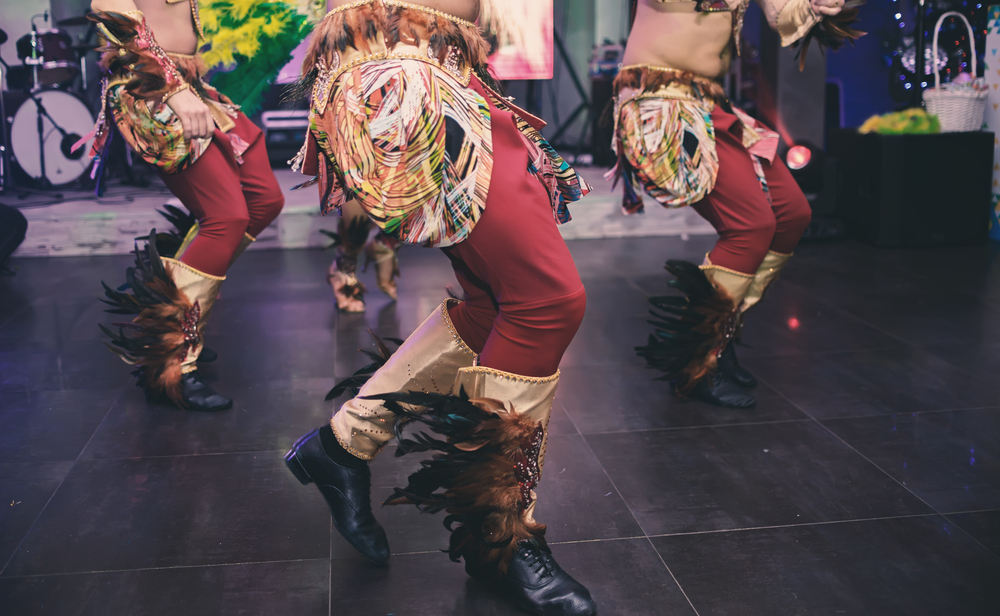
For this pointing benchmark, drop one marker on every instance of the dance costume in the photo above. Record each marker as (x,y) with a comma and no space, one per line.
(404,122)
(225,181)
(679,139)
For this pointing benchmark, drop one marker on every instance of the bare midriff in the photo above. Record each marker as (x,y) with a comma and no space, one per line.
(464,9)
(172,24)
(674,35)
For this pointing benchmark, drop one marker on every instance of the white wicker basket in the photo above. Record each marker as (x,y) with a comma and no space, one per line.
(958,109)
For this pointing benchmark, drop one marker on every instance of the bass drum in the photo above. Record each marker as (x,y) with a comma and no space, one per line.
(61,165)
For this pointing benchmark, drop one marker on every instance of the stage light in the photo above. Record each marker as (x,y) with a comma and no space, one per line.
(798,157)
(793,323)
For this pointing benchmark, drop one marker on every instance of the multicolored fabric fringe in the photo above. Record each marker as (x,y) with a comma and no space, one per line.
(665,136)
(397,125)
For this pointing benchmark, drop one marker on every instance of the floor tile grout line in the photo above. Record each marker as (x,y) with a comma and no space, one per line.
(699,427)
(640,366)
(632,513)
(15,315)
(786,421)
(674,577)
(869,460)
(185,455)
(165,568)
(565,411)
(62,481)
(909,413)
(885,332)
(930,514)
(329,588)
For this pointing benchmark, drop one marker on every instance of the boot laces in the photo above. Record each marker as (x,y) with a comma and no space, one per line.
(540,561)
(366,497)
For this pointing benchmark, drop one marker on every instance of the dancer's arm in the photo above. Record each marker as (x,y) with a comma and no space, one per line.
(134,49)
(799,22)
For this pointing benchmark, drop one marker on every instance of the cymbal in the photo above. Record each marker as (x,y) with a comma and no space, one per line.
(74,21)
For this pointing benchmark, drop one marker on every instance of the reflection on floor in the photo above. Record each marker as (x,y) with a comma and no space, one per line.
(867,481)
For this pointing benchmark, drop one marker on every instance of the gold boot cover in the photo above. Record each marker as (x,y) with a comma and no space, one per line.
(485,469)
(766,274)
(426,362)
(201,289)
(348,242)
(170,305)
(691,330)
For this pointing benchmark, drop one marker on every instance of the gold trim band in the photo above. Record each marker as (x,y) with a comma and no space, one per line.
(427,9)
(347,7)
(347,445)
(511,376)
(651,67)
(191,269)
(451,326)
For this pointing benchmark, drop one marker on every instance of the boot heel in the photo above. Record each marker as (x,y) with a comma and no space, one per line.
(293,464)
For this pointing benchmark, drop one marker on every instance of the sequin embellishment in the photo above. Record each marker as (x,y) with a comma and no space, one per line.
(526,469)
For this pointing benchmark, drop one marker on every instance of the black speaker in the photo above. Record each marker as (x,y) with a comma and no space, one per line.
(914,190)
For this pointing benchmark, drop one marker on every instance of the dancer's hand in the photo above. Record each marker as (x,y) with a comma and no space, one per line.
(827,7)
(195,116)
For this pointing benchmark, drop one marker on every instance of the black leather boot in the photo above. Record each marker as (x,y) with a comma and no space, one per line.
(207,356)
(731,366)
(537,584)
(718,389)
(200,396)
(197,395)
(347,490)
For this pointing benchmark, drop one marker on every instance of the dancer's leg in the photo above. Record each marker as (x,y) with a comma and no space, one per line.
(211,190)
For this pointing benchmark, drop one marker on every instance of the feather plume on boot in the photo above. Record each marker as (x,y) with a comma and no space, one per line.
(482,474)
(348,242)
(164,328)
(168,243)
(690,330)
(354,382)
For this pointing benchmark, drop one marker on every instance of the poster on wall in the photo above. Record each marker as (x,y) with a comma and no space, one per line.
(520,36)
(991,70)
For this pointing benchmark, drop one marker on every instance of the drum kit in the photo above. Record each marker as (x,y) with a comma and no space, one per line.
(43,113)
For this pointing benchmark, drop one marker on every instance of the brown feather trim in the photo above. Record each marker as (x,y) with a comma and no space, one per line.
(832,32)
(650,80)
(689,330)
(151,73)
(191,68)
(483,477)
(357,28)
(360,26)
(719,313)
(164,328)
(412,26)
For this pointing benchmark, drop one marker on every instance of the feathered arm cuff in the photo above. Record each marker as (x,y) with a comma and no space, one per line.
(132,52)
(832,32)
(798,25)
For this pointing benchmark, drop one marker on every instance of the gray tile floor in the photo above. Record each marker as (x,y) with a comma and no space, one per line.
(867,480)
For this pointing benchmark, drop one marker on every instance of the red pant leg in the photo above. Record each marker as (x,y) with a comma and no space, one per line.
(474,317)
(737,207)
(792,212)
(516,259)
(260,188)
(210,189)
